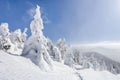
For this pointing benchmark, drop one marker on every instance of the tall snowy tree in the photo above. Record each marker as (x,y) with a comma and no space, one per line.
(35,47)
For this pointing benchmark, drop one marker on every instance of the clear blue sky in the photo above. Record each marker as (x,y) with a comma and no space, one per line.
(79,21)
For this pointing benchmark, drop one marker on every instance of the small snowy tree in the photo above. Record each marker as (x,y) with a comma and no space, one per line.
(24,35)
(77,56)
(62,46)
(11,42)
(4,37)
(4,31)
(57,54)
(69,58)
(53,51)
(18,38)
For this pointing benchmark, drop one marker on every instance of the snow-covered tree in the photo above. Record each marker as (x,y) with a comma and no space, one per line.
(53,51)
(62,46)
(18,38)
(35,47)
(24,35)
(77,56)
(4,31)
(57,54)
(11,42)
(69,57)
(4,37)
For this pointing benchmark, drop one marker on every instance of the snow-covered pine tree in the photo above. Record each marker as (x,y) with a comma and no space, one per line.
(11,42)
(57,54)
(69,58)
(63,47)
(53,51)
(24,35)
(77,56)
(35,47)
(4,37)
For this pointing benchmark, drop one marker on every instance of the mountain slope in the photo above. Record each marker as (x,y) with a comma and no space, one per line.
(102,62)
(96,59)
(19,68)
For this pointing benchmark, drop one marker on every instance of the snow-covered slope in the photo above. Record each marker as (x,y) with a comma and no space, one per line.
(19,68)
(100,62)
(104,56)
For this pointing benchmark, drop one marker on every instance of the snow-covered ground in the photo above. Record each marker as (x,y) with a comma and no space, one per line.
(19,68)
(14,67)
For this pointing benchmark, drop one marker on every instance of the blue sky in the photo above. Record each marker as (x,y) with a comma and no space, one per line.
(79,21)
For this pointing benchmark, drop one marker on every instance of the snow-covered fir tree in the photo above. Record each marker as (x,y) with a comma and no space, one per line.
(69,58)
(53,51)
(12,42)
(4,37)
(63,47)
(36,46)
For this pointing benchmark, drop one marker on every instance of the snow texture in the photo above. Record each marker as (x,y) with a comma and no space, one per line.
(19,68)
(14,67)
